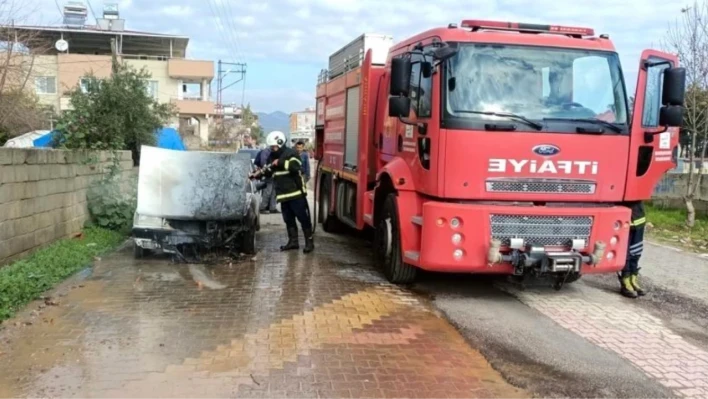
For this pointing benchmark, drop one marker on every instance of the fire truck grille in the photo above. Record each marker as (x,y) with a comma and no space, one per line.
(541,230)
(541,186)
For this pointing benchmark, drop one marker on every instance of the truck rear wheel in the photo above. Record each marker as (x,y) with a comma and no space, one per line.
(388,245)
(330,223)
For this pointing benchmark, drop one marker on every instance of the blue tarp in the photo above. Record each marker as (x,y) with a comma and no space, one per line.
(44,141)
(169,138)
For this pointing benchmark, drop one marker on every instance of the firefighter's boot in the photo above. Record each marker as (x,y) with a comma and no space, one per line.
(627,289)
(634,279)
(292,240)
(309,241)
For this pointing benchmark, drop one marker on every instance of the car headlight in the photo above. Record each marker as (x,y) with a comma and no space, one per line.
(147,221)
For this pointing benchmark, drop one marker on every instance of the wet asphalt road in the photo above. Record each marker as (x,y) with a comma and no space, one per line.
(586,340)
(328,325)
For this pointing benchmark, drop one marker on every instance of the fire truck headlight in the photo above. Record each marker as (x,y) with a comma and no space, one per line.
(614,240)
(455,223)
(610,255)
(456,238)
(617,225)
(458,254)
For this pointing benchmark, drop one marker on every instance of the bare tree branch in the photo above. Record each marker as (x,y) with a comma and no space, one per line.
(688,38)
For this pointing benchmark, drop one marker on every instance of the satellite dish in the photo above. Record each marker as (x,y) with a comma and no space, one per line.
(61,45)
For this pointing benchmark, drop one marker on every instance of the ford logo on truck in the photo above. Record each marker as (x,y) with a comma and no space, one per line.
(546,150)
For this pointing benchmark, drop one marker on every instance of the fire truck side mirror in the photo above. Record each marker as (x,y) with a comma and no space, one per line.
(400,77)
(399,107)
(426,69)
(671,115)
(674,90)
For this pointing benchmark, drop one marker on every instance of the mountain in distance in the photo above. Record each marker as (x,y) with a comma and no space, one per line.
(277,120)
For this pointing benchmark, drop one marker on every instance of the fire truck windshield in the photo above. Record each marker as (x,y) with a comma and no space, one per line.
(562,88)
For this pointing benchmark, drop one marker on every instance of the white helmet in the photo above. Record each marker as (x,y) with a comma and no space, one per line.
(275,138)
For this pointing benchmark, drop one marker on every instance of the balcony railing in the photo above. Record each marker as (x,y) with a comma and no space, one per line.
(194,106)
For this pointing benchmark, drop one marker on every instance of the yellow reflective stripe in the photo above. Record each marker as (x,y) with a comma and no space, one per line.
(289,195)
(281,173)
(639,221)
(287,162)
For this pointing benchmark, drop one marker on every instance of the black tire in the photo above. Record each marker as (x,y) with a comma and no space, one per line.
(330,223)
(248,241)
(139,252)
(394,268)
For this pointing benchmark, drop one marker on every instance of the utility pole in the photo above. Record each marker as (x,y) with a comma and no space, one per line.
(237,67)
(114,56)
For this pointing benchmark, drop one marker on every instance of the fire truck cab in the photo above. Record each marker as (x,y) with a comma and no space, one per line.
(494,147)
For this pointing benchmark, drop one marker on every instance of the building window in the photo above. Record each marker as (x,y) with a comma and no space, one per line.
(85,83)
(151,87)
(45,84)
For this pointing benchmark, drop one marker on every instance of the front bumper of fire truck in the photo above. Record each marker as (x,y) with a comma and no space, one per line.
(501,239)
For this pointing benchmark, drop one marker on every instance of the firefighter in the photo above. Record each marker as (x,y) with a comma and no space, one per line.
(629,284)
(285,167)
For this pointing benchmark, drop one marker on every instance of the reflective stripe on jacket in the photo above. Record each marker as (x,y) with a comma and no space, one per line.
(638,215)
(289,184)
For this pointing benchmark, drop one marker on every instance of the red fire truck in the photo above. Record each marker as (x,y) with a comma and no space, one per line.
(493,147)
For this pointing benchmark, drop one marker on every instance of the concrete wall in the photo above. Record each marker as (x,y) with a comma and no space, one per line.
(43,196)
(73,67)
(167,88)
(672,187)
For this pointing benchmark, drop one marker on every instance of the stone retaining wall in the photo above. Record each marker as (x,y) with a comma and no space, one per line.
(43,195)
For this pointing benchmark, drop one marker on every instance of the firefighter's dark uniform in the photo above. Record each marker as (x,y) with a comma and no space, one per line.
(291,193)
(630,274)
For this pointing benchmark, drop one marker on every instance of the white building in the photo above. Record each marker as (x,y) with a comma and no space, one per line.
(302,126)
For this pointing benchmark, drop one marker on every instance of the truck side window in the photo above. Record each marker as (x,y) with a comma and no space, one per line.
(653,92)
(425,98)
(415,82)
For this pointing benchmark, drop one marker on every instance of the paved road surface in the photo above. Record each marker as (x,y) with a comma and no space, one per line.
(327,324)
(282,325)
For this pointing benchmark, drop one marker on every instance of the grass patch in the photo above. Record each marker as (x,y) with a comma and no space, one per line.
(24,280)
(670,225)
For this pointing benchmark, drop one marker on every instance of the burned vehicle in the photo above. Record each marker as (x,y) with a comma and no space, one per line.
(193,202)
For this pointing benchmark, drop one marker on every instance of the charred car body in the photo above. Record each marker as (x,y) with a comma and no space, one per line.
(196,201)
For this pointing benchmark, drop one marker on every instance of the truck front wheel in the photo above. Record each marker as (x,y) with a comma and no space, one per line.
(388,245)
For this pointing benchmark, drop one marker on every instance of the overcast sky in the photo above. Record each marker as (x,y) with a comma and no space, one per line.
(287,42)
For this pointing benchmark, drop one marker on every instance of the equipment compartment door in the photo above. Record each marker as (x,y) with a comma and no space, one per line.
(351,140)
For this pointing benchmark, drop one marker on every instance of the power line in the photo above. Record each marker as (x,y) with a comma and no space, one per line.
(94,14)
(61,12)
(217,15)
(230,19)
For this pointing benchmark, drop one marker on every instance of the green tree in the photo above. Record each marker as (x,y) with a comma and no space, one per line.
(250,120)
(688,38)
(116,113)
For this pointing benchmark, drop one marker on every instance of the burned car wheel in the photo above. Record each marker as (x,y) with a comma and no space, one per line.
(140,252)
(248,241)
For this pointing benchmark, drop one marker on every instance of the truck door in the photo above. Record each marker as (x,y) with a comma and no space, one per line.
(652,150)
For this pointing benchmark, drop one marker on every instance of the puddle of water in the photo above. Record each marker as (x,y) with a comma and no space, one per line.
(201,276)
(166,277)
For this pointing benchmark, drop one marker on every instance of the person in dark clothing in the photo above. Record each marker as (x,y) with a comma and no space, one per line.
(629,276)
(268,204)
(285,166)
(305,158)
